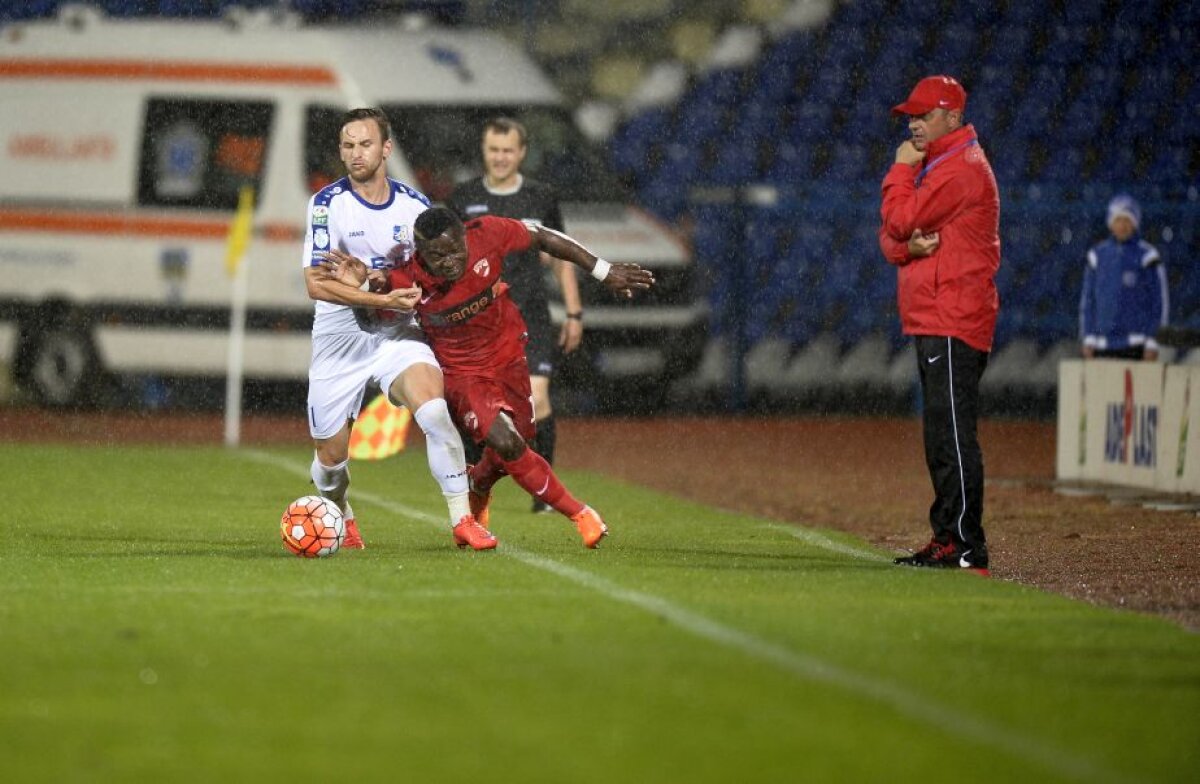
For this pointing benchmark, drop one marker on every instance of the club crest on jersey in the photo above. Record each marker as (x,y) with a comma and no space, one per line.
(400,233)
(481,268)
(471,420)
(321,238)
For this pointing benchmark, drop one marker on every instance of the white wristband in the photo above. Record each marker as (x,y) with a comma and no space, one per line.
(600,270)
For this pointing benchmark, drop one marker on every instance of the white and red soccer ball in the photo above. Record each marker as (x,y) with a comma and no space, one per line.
(312,527)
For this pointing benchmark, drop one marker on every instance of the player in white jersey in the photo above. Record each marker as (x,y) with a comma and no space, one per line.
(370,216)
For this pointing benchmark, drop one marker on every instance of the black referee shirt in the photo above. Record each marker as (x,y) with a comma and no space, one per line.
(522,271)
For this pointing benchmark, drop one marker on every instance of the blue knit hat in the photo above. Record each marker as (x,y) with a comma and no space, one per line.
(1124,204)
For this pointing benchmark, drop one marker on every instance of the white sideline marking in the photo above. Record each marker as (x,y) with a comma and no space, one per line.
(818,539)
(810,668)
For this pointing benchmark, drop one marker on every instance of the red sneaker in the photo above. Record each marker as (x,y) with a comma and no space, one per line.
(470,532)
(352,540)
(590,527)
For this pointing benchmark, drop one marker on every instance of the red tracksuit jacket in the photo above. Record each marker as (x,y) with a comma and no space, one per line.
(953,192)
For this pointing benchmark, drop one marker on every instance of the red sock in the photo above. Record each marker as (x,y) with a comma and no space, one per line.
(534,475)
(488,471)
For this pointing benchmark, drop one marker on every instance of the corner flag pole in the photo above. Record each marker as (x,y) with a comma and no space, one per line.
(237,267)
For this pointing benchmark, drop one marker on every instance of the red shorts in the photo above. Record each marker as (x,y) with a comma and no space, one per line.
(476,401)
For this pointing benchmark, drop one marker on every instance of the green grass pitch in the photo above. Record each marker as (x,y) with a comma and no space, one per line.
(152,628)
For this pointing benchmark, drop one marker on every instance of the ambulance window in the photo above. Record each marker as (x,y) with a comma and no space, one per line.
(322,165)
(198,153)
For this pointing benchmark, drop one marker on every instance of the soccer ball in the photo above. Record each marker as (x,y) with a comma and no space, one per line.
(312,527)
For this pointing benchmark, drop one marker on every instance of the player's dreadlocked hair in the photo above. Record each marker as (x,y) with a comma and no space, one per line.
(434,222)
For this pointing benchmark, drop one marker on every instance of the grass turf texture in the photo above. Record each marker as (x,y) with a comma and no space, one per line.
(152,627)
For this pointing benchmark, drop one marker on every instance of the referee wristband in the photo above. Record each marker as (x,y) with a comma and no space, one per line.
(600,270)
(576,316)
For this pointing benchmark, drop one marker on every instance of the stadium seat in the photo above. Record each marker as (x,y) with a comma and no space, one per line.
(849,162)
(735,164)
(1010,44)
(791,164)
(1067,45)
(30,9)
(630,145)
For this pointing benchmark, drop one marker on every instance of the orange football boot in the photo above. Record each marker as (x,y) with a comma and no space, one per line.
(590,527)
(469,532)
(352,540)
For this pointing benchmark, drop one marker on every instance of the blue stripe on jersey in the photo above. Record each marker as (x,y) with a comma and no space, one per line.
(326,194)
(410,192)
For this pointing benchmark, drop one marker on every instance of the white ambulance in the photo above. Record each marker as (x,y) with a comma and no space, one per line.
(123,146)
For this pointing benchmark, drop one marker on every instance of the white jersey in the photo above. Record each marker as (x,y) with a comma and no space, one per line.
(379,234)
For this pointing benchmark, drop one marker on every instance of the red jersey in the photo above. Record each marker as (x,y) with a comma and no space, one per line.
(472,323)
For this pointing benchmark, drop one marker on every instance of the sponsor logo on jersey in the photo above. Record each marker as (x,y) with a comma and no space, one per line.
(461,314)
(471,420)
(321,238)
(320,215)
(476,209)
(400,233)
(359,233)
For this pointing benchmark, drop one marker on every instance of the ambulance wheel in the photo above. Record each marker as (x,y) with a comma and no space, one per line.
(62,368)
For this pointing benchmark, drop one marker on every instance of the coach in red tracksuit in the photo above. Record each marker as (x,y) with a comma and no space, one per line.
(941,221)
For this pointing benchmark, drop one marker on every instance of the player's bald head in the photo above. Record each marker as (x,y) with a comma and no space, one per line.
(436,221)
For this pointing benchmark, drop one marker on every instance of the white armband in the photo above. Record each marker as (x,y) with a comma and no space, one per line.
(600,271)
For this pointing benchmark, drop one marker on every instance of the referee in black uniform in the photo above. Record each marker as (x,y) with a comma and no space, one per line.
(505,192)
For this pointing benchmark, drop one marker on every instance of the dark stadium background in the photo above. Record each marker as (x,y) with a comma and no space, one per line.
(767,150)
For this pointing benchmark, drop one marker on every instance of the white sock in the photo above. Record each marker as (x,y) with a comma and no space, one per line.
(332,483)
(447,460)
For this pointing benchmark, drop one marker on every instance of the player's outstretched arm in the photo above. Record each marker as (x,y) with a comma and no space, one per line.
(622,278)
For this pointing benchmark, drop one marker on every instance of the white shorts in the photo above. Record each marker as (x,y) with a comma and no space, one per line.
(342,365)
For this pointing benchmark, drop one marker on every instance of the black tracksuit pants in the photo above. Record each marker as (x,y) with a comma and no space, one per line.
(950,371)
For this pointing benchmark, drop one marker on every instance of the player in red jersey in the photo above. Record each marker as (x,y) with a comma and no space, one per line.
(478,336)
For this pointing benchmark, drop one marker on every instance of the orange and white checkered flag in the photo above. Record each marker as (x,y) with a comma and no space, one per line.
(380,431)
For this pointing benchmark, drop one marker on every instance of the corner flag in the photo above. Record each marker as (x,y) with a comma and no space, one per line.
(240,230)
(380,430)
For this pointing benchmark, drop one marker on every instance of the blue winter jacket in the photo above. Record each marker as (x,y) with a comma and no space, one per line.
(1124,298)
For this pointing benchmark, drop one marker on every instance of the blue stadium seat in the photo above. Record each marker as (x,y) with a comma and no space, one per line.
(1030,15)
(30,9)
(1171,165)
(847,48)
(1084,13)
(906,41)
(792,163)
(1064,165)
(1010,44)
(189,8)
(1082,121)
(631,143)
(735,164)
(1067,45)
(978,14)
(1139,14)
(861,14)
(1118,165)
(700,118)
(956,47)
(810,122)
(849,162)
(1047,82)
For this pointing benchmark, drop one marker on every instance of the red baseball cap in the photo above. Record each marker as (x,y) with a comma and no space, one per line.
(933,92)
